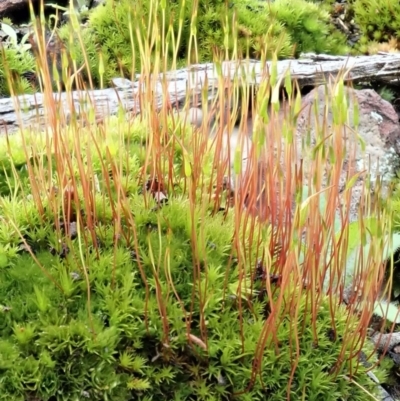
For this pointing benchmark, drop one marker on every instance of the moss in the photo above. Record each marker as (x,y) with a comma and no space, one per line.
(113,36)
(16,65)
(309,27)
(48,347)
(250,27)
(378,20)
(57,344)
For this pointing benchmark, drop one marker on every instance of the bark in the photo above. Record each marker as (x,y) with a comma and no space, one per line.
(310,70)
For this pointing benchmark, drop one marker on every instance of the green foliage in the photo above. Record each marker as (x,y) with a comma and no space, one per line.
(360,246)
(49,349)
(387,94)
(362,236)
(15,61)
(13,65)
(55,345)
(249,27)
(394,204)
(113,35)
(256,32)
(12,40)
(378,20)
(309,26)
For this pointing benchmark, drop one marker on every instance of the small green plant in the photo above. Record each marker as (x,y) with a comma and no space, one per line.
(15,61)
(250,27)
(56,344)
(378,20)
(80,10)
(12,40)
(130,269)
(309,27)
(387,94)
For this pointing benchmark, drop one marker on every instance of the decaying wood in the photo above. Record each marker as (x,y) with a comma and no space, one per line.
(308,70)
(8,7)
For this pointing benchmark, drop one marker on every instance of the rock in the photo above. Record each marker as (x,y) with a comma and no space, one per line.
(229,142)
(378,128)
(97,3)
(386,342)
(10,7)
(378,125)
(342,18)
(384,395)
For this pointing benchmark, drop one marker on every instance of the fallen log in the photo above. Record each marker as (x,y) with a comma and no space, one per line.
(29,110)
